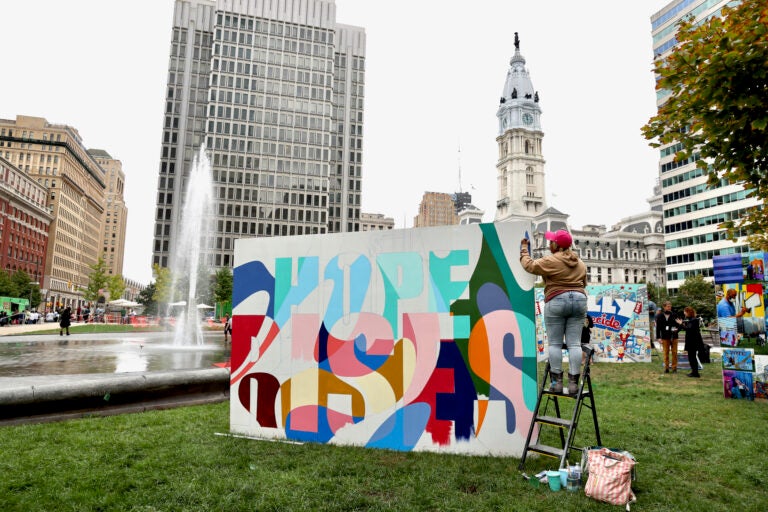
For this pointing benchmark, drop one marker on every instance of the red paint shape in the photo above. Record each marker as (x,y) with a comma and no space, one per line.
(267,387)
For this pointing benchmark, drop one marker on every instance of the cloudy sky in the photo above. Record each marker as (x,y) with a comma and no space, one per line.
(435,72)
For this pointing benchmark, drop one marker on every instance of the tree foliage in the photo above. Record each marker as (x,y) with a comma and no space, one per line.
(717,109)
(657,294)
(162,277)
(146,297)
(115,286)
(222,289)
(697,293)
(97,281)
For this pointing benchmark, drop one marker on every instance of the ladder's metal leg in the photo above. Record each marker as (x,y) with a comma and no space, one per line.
(566,440)
(533,419)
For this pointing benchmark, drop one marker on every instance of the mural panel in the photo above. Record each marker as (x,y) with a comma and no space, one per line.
(419,339)
(621,332)
(741,294)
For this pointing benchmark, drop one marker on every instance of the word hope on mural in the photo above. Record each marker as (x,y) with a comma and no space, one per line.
(418,339)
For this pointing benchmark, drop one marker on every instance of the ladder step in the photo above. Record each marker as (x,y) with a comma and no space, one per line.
(584,394)
(546,450)
(554,421)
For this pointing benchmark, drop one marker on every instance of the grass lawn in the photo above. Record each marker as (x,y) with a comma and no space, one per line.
(696,452)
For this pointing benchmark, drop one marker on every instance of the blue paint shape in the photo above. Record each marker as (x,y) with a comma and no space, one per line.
(403,429)
(250,278)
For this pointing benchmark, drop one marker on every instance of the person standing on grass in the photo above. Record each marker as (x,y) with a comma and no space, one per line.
(667,331)
(65,321)
(694,343)
(565,304)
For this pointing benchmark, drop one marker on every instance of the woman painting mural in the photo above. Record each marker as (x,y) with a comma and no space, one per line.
(565,304)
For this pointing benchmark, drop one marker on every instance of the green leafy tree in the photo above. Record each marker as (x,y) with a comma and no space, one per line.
(162,277)
(6,285)
(717,109)
(657,294)
(146,297)
(697,293)
(20,285)
(116,286)
(97,281)
(222,289)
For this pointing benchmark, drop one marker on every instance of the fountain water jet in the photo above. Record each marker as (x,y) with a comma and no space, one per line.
(195,216)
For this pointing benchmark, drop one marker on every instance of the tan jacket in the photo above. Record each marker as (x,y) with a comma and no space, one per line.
(562,271)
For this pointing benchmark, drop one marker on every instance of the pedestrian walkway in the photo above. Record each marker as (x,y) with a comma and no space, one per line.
(14,329)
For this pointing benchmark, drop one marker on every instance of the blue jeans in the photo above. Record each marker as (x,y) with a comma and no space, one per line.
(564,318)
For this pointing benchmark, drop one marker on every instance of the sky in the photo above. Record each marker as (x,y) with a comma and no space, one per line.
(434,73)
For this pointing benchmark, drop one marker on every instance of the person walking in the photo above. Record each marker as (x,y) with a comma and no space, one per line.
(667,331)
(65,320)
(565,304)
(228,328)
(694,343)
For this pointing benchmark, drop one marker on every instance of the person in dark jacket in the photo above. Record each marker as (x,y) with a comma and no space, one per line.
(65,320)
(667,331)
(694,344)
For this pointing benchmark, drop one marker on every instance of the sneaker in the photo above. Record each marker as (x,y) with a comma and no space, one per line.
(697,376)
(666,370)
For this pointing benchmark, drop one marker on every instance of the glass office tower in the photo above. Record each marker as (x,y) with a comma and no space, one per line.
(274,90)
(692,210)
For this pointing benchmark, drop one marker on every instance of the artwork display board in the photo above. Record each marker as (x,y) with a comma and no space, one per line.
(741,294)
(621,332)
(413,339)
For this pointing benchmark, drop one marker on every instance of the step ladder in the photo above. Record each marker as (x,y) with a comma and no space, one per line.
(566,427)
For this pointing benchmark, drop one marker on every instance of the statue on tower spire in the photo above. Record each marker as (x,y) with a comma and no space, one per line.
(517,42)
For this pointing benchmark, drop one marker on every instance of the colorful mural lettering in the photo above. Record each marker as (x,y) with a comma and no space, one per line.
(621,332)
(741,295)
(418,339)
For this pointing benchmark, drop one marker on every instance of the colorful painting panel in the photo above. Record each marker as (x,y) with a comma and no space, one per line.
(418,339)
(741,321)
(738,385)
(739,359)
(621,332)
(761,377)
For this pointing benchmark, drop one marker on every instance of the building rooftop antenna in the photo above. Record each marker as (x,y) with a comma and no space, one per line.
(458,158)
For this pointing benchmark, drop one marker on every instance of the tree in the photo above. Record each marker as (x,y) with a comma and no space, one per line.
(697,293)
(657,294)
(718,106)
(162,283)
(146,297)
(6,285)
(115,286)
(97,281)
(22,286)
(222,289)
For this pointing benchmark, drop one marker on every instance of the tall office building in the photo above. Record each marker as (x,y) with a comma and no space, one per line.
(436,209)
(520,165)
(274,90)
(115,213)
(55,157)
(692,210)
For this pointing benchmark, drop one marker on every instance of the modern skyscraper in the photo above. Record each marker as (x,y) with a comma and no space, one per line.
(520,176)
(115,212)
(692,209)
(274,90)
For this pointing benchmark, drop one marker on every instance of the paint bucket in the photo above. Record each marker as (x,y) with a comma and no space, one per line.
(553,477)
